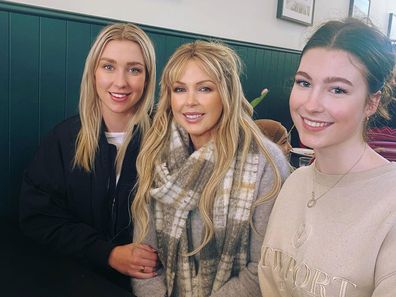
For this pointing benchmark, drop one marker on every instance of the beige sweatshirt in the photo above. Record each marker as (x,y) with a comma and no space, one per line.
(345,246)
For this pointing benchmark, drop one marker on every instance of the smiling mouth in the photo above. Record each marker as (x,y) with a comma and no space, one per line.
(119,96)
(316,124)
(193,116)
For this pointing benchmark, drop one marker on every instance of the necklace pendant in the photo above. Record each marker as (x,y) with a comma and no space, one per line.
(311,203)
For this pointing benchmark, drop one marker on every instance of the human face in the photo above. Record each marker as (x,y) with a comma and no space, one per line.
(328,102)
(120,81)
(196,103)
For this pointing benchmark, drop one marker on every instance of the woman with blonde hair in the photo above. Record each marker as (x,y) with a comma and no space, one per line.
(76,194)
(207,179)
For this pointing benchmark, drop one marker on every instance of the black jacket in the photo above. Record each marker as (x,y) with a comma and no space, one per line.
(75,212)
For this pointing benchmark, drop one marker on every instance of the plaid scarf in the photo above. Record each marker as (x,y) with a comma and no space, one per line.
(178,184)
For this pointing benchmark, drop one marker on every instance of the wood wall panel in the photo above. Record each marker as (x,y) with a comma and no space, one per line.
(42,53)
(24,88)
(52,78)
(78,36)
(4,111)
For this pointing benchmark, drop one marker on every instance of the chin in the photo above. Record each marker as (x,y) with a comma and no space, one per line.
(308,142)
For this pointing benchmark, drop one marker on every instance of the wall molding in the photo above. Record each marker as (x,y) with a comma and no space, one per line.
(72,16)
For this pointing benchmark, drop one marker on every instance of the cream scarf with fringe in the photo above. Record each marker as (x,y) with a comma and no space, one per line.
(178,184)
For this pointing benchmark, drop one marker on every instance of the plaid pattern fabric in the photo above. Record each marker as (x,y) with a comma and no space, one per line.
(178,185)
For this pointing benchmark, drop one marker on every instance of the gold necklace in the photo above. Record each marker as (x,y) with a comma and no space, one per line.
(312,202)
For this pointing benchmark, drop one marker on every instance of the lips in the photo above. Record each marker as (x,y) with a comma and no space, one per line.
(119,96)
(316,124)
(193,116)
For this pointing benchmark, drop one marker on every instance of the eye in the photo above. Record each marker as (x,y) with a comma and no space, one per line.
(302,83)
(108,67)
(178,89)
(205,89)
(338,90)
(135,70)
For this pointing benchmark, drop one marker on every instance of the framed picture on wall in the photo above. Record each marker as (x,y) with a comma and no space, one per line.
(359,9)
(299,11)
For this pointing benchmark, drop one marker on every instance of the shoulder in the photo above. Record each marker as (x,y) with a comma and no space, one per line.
(297,181)
(392,170)
(380,179)
(69,126)
(276,155)
(56,149)
(383,181)
(62,136)
(299,176)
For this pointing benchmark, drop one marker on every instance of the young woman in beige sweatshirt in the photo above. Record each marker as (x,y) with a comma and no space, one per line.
(332,231)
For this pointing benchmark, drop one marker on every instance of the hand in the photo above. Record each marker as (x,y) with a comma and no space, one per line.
(135,260)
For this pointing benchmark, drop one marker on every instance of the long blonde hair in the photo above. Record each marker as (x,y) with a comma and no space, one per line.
(89,106)
(223,65)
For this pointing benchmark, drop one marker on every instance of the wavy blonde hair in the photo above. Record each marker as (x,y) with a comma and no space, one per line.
(90,107)
(223,65)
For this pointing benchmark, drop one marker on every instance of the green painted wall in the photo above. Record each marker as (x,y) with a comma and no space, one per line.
(42,53)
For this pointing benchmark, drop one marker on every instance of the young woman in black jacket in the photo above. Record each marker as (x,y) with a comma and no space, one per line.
(76,193)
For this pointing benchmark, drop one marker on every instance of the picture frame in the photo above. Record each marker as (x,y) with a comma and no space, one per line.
(392,27)
(359,9)
(299,11)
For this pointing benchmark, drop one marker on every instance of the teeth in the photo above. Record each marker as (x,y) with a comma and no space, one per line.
(193,116)
(117,95)
(315,124)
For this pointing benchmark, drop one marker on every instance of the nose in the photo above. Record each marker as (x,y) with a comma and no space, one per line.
(120,80)
(314,102)
(191,99)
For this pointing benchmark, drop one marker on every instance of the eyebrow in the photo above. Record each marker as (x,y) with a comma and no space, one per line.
(338,79)
(115,62)
(198,83)
(302,73)
(331,79)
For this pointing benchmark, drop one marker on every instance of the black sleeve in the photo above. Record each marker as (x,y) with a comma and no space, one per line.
(46,213)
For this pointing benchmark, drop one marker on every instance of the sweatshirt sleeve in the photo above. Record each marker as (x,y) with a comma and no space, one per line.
(45,215)
(385,268)
(246,283)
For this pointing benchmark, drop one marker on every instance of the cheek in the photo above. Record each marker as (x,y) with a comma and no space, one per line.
(175,104)
(216,104)
(172,103)
(101,82)
(217,111)
(139,83)
(216,118)
(294,102)
(348,113)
